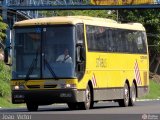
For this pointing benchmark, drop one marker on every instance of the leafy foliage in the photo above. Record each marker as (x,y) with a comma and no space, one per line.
(4,80)
(151,20)
(154,89)
(3,27)
(93,13)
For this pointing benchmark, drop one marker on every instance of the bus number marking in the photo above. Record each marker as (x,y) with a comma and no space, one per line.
(143,57)
(19,83)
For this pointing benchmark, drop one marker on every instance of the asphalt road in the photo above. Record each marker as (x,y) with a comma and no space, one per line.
(143,110)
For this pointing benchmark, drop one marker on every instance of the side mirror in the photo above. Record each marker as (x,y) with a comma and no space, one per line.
(6,55)
(80,53)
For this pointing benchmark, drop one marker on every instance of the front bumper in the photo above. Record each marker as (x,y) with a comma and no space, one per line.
(45,97)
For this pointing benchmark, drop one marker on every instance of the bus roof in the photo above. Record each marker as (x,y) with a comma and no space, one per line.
(80,19)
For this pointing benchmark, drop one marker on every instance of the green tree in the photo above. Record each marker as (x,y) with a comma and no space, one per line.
(93,13)
(3,27)
(151,20)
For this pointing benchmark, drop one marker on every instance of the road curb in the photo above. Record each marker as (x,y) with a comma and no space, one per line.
(148,100)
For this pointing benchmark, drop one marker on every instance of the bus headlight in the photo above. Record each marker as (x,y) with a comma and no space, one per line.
(18,87)
(68,85)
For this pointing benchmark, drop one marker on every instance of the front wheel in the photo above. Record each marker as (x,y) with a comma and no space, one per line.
(88,103)
(125,101)
(31,106)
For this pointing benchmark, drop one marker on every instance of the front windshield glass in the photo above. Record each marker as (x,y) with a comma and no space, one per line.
(59,59)
(26,54)
(44,52)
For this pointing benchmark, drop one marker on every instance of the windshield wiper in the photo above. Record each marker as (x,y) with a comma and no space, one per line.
(31,68)
(50,69)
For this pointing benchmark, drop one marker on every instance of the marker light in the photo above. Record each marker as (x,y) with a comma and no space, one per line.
(68,85)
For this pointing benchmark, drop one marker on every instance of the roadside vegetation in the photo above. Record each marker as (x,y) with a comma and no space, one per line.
(154,90)
(5,76)
(5,91)
(4,85)
(154,87)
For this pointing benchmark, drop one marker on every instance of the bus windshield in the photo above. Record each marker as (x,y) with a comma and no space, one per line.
(44,52)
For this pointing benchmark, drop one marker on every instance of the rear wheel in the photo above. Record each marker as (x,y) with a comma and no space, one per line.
(125,101)
(132,99)
(31,106)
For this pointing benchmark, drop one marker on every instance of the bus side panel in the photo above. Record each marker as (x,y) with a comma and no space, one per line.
(110,71)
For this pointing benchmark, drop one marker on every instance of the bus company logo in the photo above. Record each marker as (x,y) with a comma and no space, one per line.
(38,30)
(144,117)
(137,73)
(94,82)
(150,117)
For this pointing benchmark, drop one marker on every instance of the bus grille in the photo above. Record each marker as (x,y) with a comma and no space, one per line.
(50,86)
(33,86)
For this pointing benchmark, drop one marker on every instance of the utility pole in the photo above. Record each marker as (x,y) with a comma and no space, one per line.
(117,15)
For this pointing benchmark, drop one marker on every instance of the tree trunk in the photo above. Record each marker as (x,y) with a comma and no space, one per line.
(156,68)
(152,60)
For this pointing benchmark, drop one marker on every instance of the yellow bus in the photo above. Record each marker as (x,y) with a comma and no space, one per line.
(78,60)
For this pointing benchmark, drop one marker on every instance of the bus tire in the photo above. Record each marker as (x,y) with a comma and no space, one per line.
(125,101)
(87,104)
(133,93)
(31,106)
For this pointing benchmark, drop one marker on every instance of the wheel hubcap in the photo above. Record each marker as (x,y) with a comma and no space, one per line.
(133,95)
(88,97)
(126,92)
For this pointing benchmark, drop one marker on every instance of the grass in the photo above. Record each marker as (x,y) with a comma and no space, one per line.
(5,103)
(5,76)
(154,91)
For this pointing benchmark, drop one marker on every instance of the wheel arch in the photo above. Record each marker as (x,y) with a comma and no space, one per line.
(127,82)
